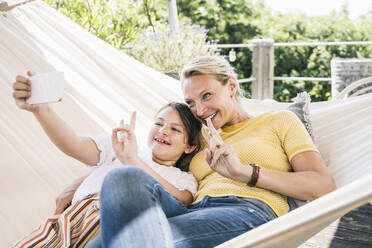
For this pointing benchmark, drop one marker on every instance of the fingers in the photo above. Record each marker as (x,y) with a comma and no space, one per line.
(124,131)
(114,137)
(129,127)
(217,155)
(214,133)
(208,156)
(21,94)
(22,79)
(22,86)
(115,131)
(30,73)
(205,134)
(133,121)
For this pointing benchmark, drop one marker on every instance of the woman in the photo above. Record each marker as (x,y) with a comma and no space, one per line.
(244,172)
(174,137)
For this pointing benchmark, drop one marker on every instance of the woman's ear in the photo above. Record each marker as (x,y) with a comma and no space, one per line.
(190,149)
(232,86)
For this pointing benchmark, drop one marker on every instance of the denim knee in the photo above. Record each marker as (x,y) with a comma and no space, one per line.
(126,178)
(128,184)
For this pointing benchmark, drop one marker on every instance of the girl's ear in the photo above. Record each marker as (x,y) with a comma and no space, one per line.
(190,149)
(232,85)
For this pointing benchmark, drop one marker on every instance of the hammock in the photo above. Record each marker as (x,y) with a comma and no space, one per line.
(103,85)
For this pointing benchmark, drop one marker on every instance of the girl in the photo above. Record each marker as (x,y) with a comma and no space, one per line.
(172,140)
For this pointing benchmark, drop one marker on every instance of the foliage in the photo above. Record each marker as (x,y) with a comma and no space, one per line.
(233,22)
(168,51)
(116,22)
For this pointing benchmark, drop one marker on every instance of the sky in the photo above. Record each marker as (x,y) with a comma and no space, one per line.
(320,7)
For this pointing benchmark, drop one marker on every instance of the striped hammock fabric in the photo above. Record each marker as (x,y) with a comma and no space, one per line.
(104,85)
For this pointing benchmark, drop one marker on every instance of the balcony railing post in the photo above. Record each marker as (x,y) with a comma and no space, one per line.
(173,15)
(263,69)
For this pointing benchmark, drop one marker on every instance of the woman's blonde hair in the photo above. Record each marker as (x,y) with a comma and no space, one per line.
(217,66)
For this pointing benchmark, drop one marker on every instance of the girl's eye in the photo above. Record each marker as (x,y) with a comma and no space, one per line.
(206,96)
(158,124)
(177,130)
(190,103)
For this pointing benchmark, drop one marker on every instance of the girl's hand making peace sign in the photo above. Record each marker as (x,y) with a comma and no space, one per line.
(126,148)
(220,156)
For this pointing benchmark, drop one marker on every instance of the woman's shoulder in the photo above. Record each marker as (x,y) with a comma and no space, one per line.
(280,115)
(276,118)
(273,115)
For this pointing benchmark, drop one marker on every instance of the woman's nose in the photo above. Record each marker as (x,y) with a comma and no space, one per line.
(200,109)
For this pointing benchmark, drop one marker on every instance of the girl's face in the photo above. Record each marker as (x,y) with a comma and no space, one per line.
(208,98)
(168,138)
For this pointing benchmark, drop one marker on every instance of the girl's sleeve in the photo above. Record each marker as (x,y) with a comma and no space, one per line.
(187,182)
(104,145)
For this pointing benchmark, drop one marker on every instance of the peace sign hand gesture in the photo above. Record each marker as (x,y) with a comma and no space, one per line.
(220,156)
(126,148)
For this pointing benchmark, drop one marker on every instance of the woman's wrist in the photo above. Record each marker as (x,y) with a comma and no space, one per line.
(255,174)
(248,174)
(244,174)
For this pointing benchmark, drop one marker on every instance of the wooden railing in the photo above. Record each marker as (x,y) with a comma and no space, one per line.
(263,64)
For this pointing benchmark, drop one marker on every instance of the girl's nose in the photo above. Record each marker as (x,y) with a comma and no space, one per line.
(164,130)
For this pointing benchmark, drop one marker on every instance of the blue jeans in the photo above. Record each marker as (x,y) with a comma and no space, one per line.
(136,211)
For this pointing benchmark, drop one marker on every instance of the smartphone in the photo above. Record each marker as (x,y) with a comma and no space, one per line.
(46,87)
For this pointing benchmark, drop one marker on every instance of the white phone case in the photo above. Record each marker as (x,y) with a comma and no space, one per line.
(46,87)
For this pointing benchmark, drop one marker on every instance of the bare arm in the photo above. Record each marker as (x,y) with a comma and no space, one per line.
(309,180)
(64,199)
(182,195)
(58,131)
(64,137)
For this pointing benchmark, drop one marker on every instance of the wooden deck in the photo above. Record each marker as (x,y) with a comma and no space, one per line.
(353,230)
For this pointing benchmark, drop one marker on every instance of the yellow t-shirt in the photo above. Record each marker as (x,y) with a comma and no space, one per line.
(271,140)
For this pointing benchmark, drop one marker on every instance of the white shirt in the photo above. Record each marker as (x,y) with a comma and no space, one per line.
(108,161)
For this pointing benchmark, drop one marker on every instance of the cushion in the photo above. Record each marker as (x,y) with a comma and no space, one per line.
(301,107)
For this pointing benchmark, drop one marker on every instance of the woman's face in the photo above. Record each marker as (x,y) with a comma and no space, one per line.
(208,98)
(168,137)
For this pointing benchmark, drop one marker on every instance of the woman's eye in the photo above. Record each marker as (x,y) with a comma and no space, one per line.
(158,124)
(177,130)
(206,96)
